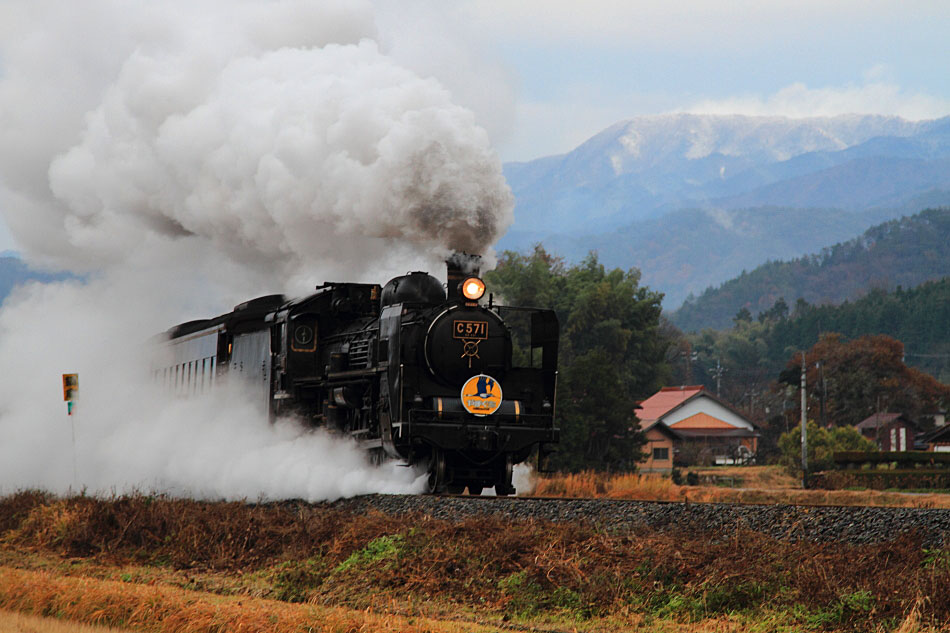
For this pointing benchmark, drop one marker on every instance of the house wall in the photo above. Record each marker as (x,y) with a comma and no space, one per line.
(895,436)
(660,440)
(702,421)
(702,404)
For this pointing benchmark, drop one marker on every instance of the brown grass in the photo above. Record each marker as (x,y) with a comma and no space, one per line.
(160,609)
(758,484)
(19,623)
(60,550)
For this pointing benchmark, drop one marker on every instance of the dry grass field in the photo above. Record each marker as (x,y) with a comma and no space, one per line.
(19,623)
(163,565)
(739,484)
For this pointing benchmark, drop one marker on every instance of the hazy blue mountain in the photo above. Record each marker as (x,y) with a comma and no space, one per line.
(641,168)
(905,252)
(688,250)
(693,200)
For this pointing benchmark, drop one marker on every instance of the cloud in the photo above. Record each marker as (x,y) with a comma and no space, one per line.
(798,100)
(283,138)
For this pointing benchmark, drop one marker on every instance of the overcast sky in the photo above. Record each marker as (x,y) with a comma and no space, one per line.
(542,76)
(573,68)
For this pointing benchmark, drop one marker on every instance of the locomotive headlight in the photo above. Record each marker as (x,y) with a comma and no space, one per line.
(473,288)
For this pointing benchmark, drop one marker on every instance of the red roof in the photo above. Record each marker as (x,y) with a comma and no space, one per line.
(665,399)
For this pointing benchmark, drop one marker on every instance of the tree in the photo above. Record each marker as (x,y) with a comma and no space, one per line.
(822,444)
(857,378)
(612,351)
(778,312)
(742,316)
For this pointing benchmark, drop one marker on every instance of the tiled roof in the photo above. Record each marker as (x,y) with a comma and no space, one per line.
(714,433)
(660,428)
(877,420)
(663,400)
(933,435)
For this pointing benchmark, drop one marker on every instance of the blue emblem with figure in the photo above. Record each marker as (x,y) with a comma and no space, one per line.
(484,386)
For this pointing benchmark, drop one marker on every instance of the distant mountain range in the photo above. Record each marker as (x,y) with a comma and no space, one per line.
(692,200)
(905,252)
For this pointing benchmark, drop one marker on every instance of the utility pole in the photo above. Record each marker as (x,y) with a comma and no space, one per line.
(717,372)
(804,428)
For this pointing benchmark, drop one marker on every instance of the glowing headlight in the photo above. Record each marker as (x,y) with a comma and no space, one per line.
(473,288)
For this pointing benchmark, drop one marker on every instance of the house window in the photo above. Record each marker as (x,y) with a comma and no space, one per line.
(661,454)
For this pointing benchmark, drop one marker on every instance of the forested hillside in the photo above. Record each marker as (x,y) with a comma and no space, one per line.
(754,352)
(904,252)
(918,317)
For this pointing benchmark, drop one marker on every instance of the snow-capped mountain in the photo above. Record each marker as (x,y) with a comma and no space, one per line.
(638,169)
(631,182)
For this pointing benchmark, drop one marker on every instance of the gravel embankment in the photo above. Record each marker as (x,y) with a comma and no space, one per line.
(812,523)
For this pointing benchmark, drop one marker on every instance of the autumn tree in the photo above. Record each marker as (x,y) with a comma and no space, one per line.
(854,379)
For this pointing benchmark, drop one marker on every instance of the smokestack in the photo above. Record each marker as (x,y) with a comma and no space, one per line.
(459,267)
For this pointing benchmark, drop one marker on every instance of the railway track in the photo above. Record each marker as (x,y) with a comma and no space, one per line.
(848,524)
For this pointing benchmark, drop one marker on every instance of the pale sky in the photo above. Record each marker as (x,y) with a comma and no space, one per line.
(542,76)
(577,67)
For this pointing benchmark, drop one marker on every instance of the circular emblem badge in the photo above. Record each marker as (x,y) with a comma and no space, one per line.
(481,395)
(303,334)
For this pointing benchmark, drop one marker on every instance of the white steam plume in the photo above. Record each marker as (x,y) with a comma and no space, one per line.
(187,156)
(129,434)
(276,133)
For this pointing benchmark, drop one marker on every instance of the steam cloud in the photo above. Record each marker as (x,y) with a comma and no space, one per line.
(187,156)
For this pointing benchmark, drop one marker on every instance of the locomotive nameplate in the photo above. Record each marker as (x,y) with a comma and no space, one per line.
(481,395)
(470,330)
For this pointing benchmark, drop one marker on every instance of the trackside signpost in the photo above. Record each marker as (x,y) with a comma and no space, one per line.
(70,394)
(70,391)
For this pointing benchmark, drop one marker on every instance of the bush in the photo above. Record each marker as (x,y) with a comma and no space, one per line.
(822,445)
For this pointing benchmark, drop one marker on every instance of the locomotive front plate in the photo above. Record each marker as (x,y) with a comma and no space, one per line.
(481,395)
(470,330)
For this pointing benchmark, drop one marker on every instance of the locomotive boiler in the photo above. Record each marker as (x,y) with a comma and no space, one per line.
(415,371)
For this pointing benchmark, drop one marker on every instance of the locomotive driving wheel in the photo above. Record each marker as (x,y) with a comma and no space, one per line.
(503,485)
(435,482)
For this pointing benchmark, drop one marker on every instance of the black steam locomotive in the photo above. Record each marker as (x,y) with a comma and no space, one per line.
(411,371)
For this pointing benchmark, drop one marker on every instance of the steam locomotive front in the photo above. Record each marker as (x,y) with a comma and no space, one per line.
(468,410)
